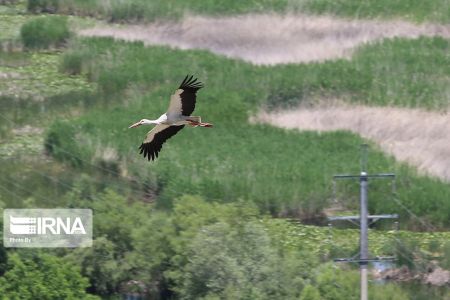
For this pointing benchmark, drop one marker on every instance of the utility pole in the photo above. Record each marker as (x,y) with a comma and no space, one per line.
(363,237)
(364,219)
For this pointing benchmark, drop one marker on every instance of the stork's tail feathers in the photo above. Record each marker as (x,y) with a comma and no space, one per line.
(197,121)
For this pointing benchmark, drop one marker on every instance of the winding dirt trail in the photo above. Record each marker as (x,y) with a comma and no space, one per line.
(270,38)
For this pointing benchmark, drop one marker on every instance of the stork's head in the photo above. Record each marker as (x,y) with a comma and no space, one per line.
(137,124)
(143,122)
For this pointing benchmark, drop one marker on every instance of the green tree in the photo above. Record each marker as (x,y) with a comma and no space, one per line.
(237,263)
(152,252)
(310,293)
(115,221)
(335,283)
(161,244)
(42,276)
(115,217)
(101,264)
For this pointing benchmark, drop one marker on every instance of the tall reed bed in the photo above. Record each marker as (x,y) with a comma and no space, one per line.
(142,10)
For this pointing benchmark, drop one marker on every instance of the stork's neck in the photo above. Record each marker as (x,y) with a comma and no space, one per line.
(160,120)
(149,122)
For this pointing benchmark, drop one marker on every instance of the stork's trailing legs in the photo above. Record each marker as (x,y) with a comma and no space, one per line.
(195,121)
(201,124)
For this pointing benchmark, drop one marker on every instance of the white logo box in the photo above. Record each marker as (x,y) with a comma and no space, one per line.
(52,228)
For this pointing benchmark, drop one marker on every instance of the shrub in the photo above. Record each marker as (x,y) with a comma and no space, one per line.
(53,144)
(75,62)
(44,32)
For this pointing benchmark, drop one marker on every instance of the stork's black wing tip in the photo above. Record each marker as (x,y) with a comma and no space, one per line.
(147,151)
(151,148)
(191,83)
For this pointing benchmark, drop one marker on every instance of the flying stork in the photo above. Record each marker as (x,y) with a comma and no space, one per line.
(182,104)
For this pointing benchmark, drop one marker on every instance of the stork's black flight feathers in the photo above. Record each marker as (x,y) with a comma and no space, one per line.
(189,86)
(151,148)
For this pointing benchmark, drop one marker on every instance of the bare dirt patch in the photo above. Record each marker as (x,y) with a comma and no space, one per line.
(270,38)
(415,136)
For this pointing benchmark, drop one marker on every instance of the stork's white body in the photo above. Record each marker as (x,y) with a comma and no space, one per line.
(173,120)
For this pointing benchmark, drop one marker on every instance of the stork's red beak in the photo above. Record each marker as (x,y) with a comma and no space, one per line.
(135,125)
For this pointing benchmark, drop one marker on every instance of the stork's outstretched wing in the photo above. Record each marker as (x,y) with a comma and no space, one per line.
(155,138)
(182,102)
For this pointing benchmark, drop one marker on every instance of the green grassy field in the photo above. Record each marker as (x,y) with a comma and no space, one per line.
(285,172)
(116,10)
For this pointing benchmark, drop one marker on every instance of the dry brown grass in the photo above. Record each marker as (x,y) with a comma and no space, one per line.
(415,136)
(270,38)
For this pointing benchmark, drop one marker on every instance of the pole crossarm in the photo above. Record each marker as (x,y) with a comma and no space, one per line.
(364,261)
(372,217)
(351,176)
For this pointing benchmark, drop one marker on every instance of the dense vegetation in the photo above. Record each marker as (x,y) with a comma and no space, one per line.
(42,276)
(117,10)
(200,250)
(198,223)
